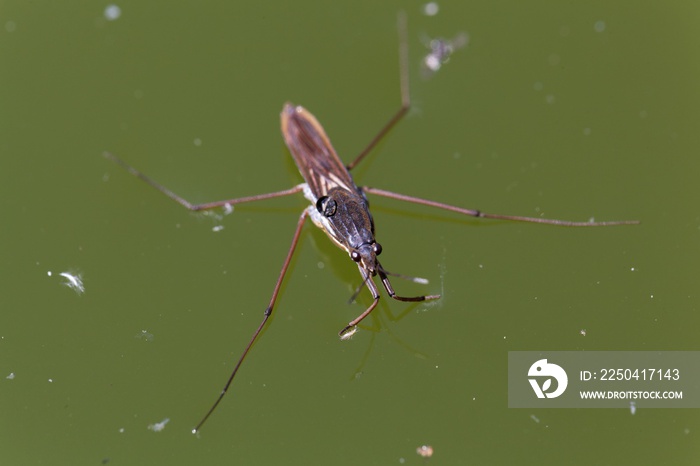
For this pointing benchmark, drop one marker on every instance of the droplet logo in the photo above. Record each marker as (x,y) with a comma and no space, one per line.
(544,372)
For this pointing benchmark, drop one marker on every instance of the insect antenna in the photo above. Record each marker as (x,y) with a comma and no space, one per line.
(356,293)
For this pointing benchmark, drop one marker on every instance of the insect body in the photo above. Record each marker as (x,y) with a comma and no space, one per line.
(338,206)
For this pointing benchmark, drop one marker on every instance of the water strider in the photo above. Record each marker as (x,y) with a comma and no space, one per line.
(338,206)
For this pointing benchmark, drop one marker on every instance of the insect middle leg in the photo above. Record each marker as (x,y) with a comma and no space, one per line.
(480,214)
(266,316)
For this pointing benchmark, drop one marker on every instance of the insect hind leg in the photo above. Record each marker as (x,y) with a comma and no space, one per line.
(198,207)
(405,97)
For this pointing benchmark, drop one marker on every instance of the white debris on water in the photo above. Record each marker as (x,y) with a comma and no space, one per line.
(74,281)
(158,426)
(112,12)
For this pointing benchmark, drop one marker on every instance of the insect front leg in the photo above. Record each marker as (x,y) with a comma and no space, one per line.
(350,329)
(393,295)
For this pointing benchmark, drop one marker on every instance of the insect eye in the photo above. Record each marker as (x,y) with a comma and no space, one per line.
(355,256)
(377,248)
(326,206)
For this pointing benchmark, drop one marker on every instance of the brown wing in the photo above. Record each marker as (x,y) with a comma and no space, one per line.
(313,153)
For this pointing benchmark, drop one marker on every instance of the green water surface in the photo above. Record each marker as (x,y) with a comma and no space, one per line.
(568,110)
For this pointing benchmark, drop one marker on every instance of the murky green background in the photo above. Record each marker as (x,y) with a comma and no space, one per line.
(569,110)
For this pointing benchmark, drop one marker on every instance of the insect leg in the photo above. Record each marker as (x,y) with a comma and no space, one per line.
(479,214)
(349,329)
(405,97)
(268,312)
(422,281)
(393,295)
(196,207)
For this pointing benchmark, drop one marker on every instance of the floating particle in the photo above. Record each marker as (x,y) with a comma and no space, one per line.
(112,12)
(431,9)
(74,281)
(158,426)
(144,335)
(440,52)
(426,451)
